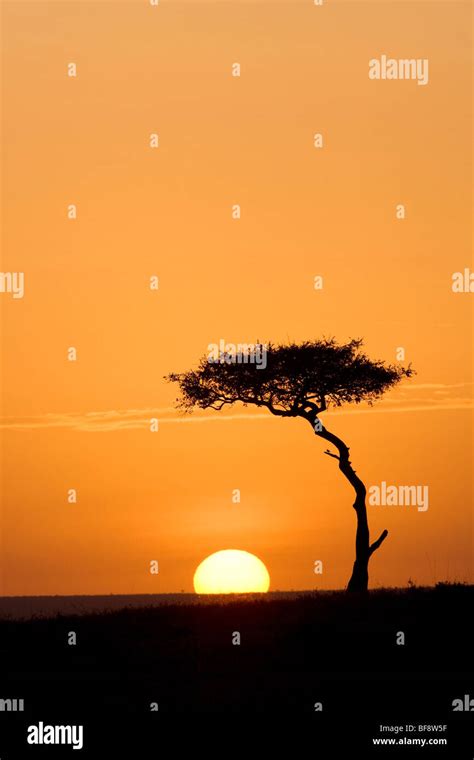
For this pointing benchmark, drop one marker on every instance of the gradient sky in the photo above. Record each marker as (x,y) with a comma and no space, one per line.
(167,212)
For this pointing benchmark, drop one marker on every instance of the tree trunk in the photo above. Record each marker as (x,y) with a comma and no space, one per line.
(364,549)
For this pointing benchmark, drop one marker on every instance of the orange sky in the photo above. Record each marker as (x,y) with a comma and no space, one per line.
(167,212)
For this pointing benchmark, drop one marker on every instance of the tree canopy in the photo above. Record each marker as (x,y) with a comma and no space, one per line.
(297,378)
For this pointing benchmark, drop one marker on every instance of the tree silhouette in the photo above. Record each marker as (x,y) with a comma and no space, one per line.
(300,380)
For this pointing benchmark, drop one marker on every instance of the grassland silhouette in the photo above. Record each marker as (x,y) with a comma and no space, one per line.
(328,653)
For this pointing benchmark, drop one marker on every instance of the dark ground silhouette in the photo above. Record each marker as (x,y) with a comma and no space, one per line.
(326,647)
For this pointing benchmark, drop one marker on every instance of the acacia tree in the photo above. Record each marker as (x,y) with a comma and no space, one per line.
(300,380)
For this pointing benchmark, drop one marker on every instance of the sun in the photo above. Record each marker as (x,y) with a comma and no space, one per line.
(231,571)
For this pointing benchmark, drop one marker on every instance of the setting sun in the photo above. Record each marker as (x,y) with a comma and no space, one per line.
(231,572)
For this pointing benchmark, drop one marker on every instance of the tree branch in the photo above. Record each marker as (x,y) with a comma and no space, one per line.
(373,547)
(278,412)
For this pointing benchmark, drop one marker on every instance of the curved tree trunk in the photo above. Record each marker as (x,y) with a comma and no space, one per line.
(364,549)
